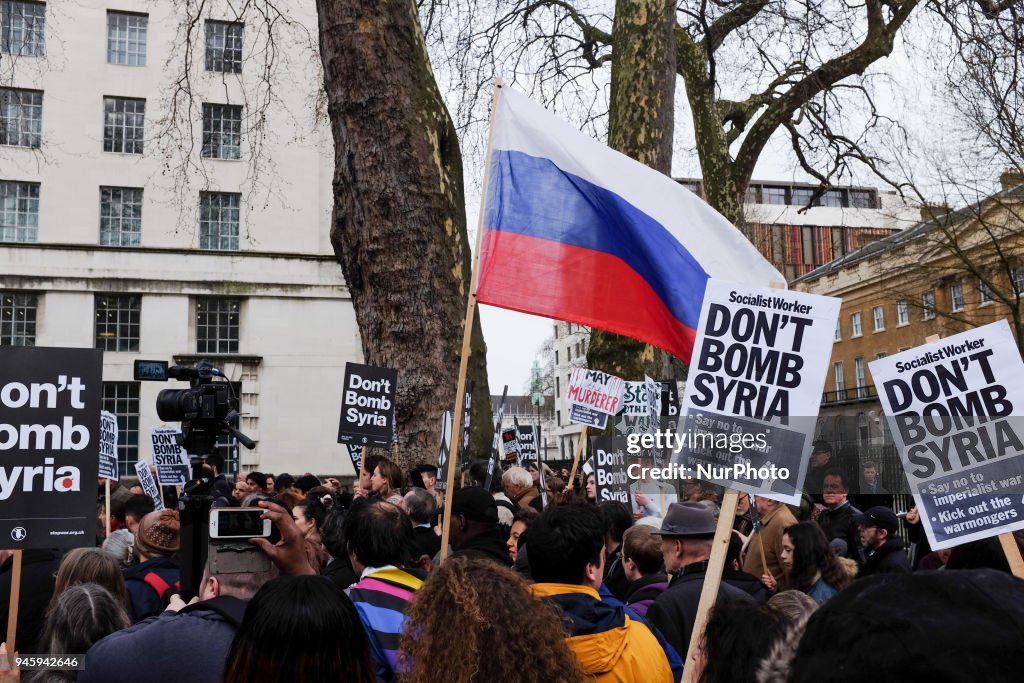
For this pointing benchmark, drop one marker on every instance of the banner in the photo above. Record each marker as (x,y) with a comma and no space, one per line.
(355,454)
(169,457)
(510,444)
(368,406)
(148,483)
(956,411)
(610,479)
(593,396)
(495,454)
(443,452)
(108,446)
(527,445)
(754,389)
(50,400)
(467,415)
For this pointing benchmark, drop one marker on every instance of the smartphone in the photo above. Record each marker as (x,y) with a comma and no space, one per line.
(238,523)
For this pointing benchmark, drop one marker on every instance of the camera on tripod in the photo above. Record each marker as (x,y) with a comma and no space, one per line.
(206,410)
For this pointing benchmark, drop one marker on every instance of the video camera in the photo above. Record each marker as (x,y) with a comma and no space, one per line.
(206,410)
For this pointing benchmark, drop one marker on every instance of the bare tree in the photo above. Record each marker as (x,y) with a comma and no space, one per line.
(399,224)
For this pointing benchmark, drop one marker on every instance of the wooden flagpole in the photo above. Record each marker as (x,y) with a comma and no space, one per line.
(712,577)
(106,496)
(12,613)
(467,335)
(576,458)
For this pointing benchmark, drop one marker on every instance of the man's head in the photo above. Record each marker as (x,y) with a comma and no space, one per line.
(240,491)
(135,508)
(877,525)
(821,453)
(377,533)
(617,518)
(870,472)
(641,552)
(241,585)
(834,488)
(158,535)
(516,480)
(567,546)
(473,513)
(428,473)
(765,505)
(687,532)
(257,482)
(420,506)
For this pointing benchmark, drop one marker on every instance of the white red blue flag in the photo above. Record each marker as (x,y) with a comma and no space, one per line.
(575,231)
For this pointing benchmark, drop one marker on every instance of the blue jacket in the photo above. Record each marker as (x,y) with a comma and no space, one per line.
(191,645)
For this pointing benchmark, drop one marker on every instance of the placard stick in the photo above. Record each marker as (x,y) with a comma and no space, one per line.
(576,458)
(713,576)
(1012,552)
(12,614)
(106,496)
(467,335)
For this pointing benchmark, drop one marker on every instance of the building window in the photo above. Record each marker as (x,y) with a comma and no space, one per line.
(773,195)
(558,418)
(880,355)
(17,319)
(802,196)
(862,199)
(855,327)
(833,198)
(928,305)
(19,211)
(217,325)
(840,379)
(23,28)
(956,297)
(558,387)
(568,354)
(126,38)
(839,331)
(120,216)
(218,220)
(122,400)
(556,357)
(117,322)
(985,293)
(124,120)
(902,313)
(21,117)
(1017,276)
(878,315)
(224,46)
(222,131)
(858,372)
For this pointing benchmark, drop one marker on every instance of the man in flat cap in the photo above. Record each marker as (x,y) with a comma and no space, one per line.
(687,532)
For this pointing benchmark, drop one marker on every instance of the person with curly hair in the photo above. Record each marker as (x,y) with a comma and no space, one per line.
(812,566)
(503,633)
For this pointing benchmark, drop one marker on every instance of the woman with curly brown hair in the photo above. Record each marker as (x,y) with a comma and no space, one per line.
(475,621)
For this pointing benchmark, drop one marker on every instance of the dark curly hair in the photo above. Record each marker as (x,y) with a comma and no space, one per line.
(811,555)
(503,633)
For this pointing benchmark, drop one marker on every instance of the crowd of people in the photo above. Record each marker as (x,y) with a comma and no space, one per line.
(536,585)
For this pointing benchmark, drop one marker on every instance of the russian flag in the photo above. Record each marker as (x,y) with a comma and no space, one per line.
(575,231)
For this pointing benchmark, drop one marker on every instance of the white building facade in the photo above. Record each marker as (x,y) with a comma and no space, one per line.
(171,208)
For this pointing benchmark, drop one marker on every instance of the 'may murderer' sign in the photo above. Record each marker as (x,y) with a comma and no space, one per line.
(752,397)
(368,406)
(50,402)
(593,396)
(956,411)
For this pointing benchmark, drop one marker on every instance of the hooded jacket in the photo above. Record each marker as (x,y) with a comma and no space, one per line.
(381,598)
(608,644)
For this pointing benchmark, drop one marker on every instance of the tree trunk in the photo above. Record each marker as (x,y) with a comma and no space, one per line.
(399,224)
(641,124)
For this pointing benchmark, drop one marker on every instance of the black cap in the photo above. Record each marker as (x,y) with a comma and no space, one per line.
(821,446)
(881,517)
(474,503)
(425,468)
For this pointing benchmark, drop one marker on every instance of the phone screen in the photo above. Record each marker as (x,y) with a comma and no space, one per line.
(239,523)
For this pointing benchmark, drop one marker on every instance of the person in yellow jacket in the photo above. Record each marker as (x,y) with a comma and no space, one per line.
(566,550)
